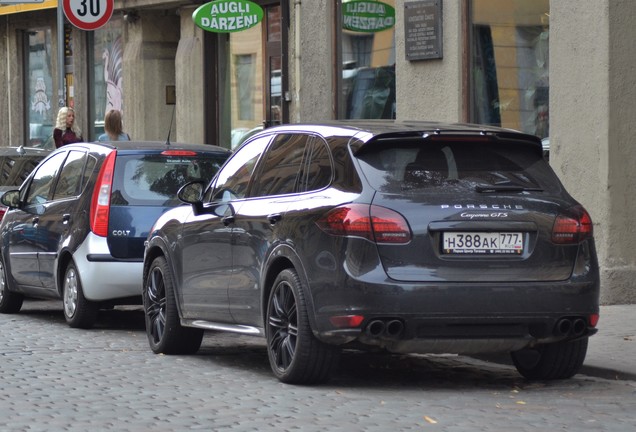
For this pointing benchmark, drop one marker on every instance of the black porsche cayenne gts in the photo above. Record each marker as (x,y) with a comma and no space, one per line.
(413,237)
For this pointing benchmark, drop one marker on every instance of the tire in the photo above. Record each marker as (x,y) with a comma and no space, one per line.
(78,311)
(554,361)
(295,355)
(165,333)
(10,302)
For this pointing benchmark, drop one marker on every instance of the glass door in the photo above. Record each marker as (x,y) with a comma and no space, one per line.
(251,78)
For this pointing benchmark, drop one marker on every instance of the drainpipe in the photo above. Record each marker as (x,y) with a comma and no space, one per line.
(60,55)
(297,4)
(8,76)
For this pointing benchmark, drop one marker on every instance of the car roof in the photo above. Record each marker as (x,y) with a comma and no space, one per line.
(152,145)
(23,151)
(376,131)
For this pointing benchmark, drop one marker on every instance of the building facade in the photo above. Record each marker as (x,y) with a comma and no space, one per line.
(562,70)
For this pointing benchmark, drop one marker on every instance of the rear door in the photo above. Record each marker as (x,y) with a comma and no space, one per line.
(65,215)
(478,210)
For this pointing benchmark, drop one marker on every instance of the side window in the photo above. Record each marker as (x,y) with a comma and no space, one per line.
(319,172)
(91,161)
(281,166)
(68,184)
(43,180)
(234,179)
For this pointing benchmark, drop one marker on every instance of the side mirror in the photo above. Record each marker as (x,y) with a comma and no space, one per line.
(192,193)
(11,198)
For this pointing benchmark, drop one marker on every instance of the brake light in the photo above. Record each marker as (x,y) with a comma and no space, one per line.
(3,210)
(572,227)
(178,153)
(100,204)
(374,223)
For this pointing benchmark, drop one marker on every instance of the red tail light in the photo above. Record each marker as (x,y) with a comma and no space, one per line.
(100,205)
(3,210)
(572,227)
(374,223)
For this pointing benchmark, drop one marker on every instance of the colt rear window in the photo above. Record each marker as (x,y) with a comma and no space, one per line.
(421,167)
(154,179)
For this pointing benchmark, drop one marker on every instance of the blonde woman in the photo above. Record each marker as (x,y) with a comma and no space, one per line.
(113,127)
(66,131)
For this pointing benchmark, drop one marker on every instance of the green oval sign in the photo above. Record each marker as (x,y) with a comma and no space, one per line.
(227,16)
(367,16)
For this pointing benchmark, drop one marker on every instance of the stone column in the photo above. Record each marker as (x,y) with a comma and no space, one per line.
(592,134)
(189,80)
(149,67)
(431,89)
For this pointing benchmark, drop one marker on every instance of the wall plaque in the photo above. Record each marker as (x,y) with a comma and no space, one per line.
(423,29)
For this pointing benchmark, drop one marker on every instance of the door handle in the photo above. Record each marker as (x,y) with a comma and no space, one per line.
(35,221)
(66,218)
(274,217)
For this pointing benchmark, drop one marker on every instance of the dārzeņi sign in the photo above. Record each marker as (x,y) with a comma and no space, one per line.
(367,16)
(227,16)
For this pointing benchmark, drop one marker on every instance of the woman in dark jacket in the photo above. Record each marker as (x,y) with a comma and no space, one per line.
(66,131)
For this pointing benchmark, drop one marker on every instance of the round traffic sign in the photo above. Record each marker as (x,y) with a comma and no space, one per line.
(88,14)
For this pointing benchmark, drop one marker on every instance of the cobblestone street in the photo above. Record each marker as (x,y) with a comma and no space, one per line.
(107,379)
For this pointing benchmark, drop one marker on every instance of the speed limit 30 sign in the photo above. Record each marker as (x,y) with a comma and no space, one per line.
(88,14)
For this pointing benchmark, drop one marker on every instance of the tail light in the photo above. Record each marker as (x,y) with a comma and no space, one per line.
(100,204)
(572,226)
(3,210)
(374,223)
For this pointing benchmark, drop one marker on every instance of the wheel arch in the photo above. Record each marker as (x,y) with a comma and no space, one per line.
(63,260)
(284,257)
(157,248)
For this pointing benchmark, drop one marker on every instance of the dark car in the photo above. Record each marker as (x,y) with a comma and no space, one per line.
(16,163)
(410,237)
(75,229)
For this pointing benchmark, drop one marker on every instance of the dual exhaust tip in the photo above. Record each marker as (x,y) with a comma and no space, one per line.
(391,328)
(570,327)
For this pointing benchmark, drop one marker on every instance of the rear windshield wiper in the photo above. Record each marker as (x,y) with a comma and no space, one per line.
(506,188)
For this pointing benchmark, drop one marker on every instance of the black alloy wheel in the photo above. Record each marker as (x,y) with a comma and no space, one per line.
(295,355)
(165,333)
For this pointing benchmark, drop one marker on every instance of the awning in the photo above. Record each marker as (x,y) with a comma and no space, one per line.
(27,7)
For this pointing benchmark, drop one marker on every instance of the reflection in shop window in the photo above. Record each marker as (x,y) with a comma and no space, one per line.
(509,64)
(108,70)
(367,88)
(245,76)
(39,88)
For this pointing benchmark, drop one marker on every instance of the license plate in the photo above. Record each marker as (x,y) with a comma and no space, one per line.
(482,242)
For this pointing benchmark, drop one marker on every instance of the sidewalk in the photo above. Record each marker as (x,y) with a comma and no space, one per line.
(612,351)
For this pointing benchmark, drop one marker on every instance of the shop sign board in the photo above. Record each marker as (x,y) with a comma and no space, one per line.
(367,16)
(227,16)
(89,14)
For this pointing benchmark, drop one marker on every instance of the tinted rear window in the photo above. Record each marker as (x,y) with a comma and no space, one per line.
(155,179)
(429,167)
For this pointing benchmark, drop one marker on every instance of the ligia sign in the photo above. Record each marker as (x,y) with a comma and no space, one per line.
(227,16)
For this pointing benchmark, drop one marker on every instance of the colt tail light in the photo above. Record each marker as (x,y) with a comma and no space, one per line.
(374,223)
(100,204)
(572,226)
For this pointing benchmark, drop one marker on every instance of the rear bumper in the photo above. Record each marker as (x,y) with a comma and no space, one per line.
(459,318)
(105,278)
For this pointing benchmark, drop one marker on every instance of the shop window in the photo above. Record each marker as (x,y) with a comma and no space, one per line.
(40,104)
(107,73)
(366,69)
(509,64)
